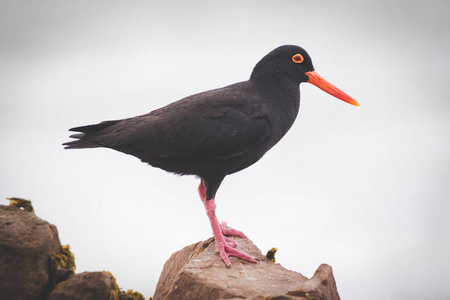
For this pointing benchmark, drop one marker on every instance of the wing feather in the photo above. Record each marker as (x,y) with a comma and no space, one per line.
(217,124)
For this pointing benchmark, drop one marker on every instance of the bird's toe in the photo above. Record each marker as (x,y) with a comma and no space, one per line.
(231,231)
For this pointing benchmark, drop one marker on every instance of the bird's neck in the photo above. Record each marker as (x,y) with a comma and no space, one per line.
(282,98)
(279,90)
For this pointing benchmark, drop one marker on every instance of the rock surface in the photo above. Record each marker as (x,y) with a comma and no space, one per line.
(32,261)
(321,286)
(86,286)
(197,272)
(26,243)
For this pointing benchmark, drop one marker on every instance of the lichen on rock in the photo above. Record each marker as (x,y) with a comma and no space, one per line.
(62,264)
(131,295)
(21,203)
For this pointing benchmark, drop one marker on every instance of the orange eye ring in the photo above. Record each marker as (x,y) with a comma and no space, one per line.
(297,58)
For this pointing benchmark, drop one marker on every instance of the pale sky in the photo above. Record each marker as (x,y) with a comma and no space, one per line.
(364,189)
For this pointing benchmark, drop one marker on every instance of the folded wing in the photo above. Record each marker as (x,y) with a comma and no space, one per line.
(211,125)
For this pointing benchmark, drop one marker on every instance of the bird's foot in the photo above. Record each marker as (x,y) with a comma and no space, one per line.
(230,242)
(231,231)
(226,246)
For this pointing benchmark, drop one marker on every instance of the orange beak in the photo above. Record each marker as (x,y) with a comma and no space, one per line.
(324,85)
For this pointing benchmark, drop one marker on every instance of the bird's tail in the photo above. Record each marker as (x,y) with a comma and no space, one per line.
(85,132)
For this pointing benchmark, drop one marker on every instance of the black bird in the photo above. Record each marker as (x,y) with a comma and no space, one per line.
(217,132)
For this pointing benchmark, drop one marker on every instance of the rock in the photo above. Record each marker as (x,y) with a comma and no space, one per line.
(87,286)
(321,286)
(92,286)
(197,272)
(26,244)
(33,262)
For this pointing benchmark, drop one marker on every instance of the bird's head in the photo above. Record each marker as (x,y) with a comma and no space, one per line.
(293,63)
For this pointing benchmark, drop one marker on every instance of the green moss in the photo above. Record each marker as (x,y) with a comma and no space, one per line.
(62,264)
(130,295)
(271,254)
(21,203)
(117,294)
(114,293)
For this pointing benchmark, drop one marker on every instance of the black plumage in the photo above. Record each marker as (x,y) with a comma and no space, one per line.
(217,132)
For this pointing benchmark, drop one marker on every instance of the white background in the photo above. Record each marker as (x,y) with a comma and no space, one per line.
(364,189)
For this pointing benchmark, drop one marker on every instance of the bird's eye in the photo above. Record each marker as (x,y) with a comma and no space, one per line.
(297,58)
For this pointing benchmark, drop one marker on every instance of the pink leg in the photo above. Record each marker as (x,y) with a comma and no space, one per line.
(224,245)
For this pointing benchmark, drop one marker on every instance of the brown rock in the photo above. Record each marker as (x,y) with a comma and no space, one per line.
(26,243)
(321,286)
(197,272)
(86,286)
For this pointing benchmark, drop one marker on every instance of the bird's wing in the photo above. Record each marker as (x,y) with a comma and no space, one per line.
(217,124)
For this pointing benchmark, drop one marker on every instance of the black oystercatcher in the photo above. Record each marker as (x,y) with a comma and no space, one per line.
(217,132)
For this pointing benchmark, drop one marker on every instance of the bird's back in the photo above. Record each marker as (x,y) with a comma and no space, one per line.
(218,131)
